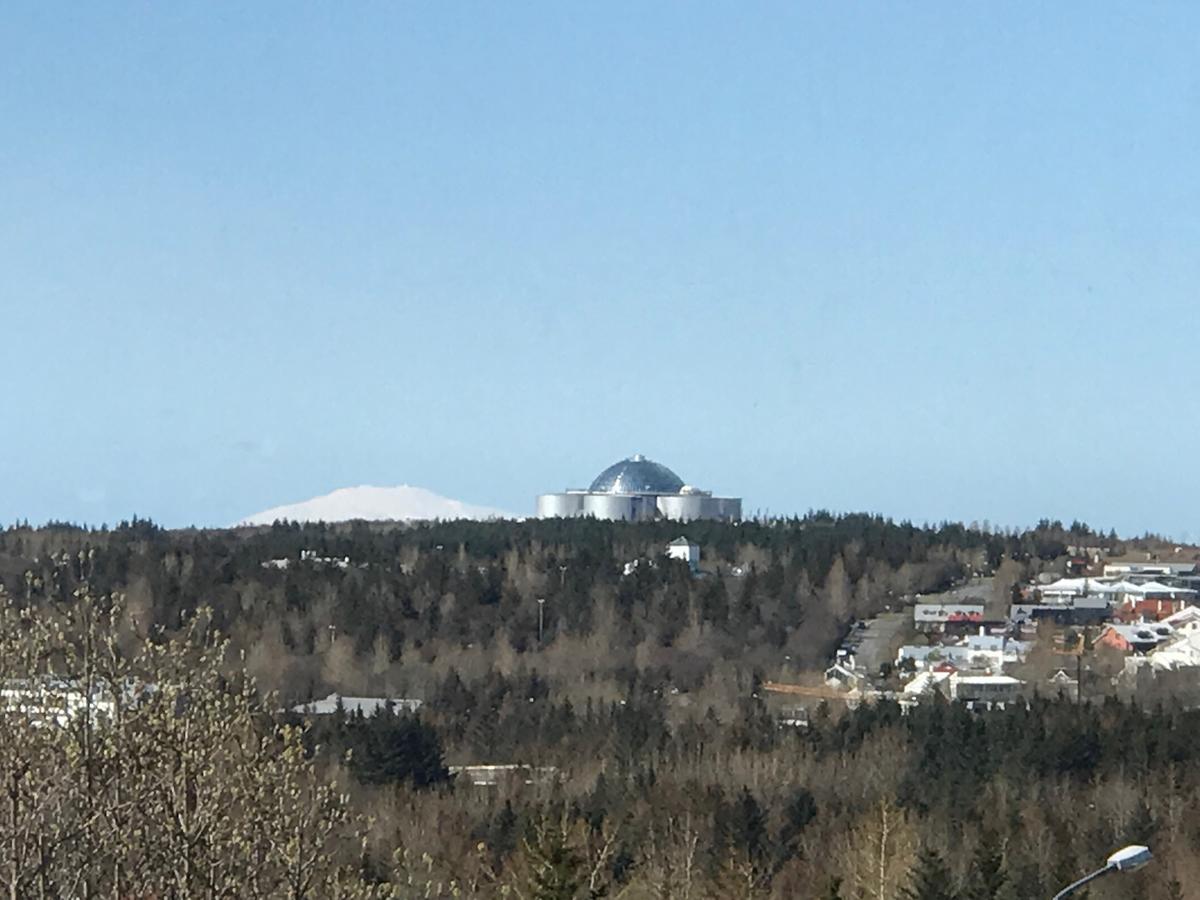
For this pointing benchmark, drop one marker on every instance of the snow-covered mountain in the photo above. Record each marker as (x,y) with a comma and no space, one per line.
(375,504)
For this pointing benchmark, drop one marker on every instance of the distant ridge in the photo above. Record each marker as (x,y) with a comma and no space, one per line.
(375,504)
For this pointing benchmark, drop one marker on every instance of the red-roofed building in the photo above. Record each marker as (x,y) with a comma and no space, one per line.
(1149,608)
(1140,637)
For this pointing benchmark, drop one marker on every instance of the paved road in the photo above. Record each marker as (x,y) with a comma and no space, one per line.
(880,639)
(877,643)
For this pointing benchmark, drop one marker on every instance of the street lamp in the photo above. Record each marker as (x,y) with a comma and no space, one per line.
(1124,860)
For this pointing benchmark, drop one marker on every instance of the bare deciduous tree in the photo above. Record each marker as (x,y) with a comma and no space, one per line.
(154,771)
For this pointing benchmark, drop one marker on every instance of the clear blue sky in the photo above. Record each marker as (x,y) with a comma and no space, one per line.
(936,260)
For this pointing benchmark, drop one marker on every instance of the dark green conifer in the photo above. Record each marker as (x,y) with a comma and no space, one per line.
(986,876)
(929,878)
(557,871)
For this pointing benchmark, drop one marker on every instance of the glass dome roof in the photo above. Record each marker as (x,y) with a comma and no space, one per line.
(637,475)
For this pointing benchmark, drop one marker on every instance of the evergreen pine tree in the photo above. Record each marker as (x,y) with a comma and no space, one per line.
(557,871)
(929,878)
(388,748)
(800,809)
(1023,883)
(504,831)
(748,826)
(986,876)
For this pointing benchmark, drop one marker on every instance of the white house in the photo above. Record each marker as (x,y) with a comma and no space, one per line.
(974,690)
(47,700)
(842,676)
(1064,590)
(1125,567)
(515,773)
(977,651)
(367,706)
(1186,620)
(683,549)
(985,690)
(1061,682)
(925,684)
(1181,652)
(1156,590)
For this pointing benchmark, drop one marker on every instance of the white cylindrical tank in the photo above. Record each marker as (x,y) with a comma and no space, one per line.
(565,506)
(727,508)
(621,507)
(682,507)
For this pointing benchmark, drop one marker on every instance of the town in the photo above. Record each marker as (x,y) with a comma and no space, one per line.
(1128,626)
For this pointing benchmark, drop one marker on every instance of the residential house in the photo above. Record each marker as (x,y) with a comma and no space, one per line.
(1179,651)
(1069,591)
(683,549)
(1091,610)
(508,773)
(1154,600)
(48,700)
(976,691)
(975,651)
(793,717)
(939,617)
(985,691)
(1124,568)
(843,676)
(1062,683)
(365,706)
(1182,651)
(926,684)
(1186,620)
(958,655)
(1137,638)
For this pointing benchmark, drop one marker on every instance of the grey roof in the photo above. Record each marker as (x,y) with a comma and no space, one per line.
(637,475)
(1143,633)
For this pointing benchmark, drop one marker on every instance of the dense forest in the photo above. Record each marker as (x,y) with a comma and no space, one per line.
(653,767)
(376,608)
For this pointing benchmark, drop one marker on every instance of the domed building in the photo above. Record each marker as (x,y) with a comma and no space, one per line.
(638,490)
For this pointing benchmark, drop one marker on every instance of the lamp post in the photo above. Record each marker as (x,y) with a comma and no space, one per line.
(541,618)
(1124,860)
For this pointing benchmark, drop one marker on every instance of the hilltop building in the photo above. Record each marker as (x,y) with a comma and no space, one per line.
(637,490)
(683,549)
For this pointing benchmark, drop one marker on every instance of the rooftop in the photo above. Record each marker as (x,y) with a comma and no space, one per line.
(637,475)
(367,706)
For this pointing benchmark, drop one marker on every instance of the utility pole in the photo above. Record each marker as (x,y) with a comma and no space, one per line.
(1079,673)
(1079,665)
